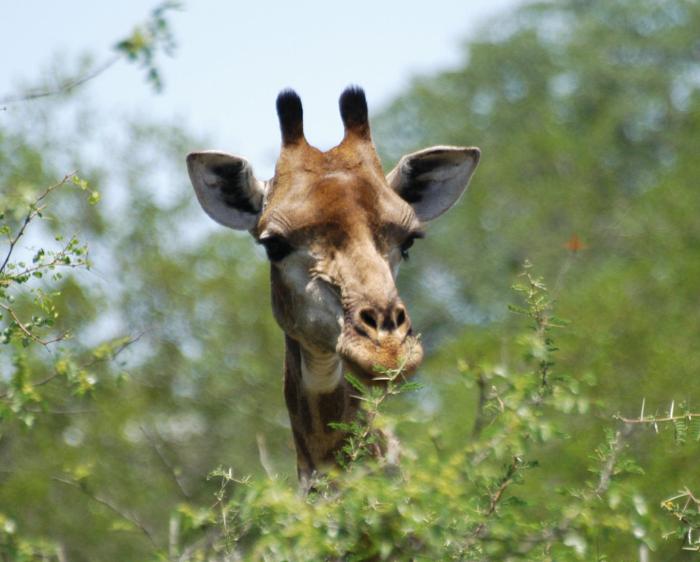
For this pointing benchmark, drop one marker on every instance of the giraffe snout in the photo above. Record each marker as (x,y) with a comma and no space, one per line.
(379,323)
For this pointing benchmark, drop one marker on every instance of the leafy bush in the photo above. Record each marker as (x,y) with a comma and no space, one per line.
(473,503)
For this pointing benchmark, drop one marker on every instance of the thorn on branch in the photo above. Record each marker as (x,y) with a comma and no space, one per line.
(652,420)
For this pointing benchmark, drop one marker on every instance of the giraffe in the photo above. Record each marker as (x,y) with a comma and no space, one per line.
(335,229)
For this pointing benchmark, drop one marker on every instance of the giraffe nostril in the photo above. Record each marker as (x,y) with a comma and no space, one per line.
(369,317)
(400,317)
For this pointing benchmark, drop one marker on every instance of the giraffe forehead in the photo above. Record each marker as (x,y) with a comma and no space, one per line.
(337,205)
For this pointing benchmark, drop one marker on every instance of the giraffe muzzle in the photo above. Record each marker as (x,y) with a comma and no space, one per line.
(376,339)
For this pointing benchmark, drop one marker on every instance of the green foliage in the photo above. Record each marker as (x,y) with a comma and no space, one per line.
(584,113)
(685,508)
(29,312)
(125,377)
(17,548)
(146,40)
(467,504)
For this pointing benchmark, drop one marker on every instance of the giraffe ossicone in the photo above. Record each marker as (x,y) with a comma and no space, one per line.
(335,229)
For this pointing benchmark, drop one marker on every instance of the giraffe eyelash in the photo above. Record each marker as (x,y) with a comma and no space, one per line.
(408,243)
(277,247)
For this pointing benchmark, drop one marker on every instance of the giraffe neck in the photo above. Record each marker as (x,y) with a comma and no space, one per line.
(321,372)
(316,395)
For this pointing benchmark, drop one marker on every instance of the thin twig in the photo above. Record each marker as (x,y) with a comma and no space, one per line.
(609,467)
(39,383)
(75,412)
(206,543)
(67,86)
(497,495)
(173,536)
(264,454)
(109,505)
(85,365)
(166,463)
(127,343)
(27,332)
(679,512)
(33,211)
(479,419)
(653,420)
(695,500)
(57,261)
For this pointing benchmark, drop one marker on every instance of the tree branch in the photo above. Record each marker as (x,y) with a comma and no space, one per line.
(109,505)
(480,531)
(33,211)
(67,86)
(652,420)
(479,418)
(263,454)
(168,466)
(609,467)
(26,330)
(85,365)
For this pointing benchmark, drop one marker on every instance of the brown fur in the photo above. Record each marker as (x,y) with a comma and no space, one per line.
(315,440)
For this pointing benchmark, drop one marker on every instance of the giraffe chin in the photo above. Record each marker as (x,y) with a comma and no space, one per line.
(368,361)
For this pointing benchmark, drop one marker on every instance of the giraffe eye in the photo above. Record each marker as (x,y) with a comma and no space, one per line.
(277,248)
(408,243)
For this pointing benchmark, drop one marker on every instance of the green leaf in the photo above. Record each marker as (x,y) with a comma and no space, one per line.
(94,198)
(356,384)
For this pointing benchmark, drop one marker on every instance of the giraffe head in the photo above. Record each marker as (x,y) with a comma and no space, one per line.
(335,229)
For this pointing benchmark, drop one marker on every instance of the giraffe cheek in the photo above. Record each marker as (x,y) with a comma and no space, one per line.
(312,318)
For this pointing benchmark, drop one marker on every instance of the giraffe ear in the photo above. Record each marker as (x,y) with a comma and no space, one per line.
(226,188)
(433,179)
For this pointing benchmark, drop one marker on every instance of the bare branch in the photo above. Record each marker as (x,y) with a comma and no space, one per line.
(609,467)
(67,86)
(172,472)
(205,543)
(264,454)
(479,419)
(111,506)
(127,343)
(652,420)
(74,412)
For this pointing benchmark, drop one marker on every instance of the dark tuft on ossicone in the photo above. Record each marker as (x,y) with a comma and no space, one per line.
(353,110)
(291,116)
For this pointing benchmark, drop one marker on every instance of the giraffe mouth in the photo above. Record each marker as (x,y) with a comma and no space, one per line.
(374,361)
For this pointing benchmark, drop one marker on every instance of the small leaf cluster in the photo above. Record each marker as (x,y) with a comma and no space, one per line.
(30,298)
(18,277)
(370,433)
(146,40)
(685,508)
(19,548)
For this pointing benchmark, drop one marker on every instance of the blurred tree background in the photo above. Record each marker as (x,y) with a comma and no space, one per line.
(167,362)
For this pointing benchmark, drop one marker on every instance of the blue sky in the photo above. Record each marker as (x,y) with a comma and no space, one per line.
(234,57)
